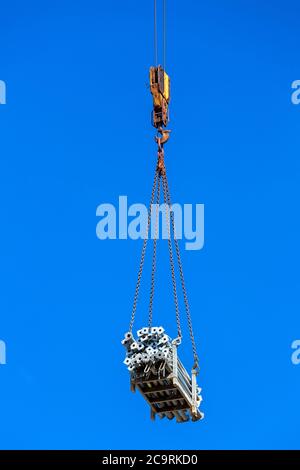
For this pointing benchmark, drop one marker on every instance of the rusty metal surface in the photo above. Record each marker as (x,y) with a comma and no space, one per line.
(167,395)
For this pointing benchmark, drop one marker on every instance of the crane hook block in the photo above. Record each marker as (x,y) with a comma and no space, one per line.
(160,89)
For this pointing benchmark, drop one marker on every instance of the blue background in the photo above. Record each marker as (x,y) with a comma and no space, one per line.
(75,133)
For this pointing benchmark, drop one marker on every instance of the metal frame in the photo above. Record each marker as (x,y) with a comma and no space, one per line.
(169,390)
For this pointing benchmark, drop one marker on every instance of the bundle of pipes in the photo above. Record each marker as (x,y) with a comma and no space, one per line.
(152,346)
(156,370)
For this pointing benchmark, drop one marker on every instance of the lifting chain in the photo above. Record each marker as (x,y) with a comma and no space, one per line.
(161,177)
(142,261)
(179,262)
(154,250)
(171,254)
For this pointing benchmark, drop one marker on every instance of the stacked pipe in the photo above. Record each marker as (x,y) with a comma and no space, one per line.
(152,346)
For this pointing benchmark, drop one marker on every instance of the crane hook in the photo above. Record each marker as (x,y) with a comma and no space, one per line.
(161,140)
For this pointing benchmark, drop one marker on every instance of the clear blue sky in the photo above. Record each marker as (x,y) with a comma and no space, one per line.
(75,133)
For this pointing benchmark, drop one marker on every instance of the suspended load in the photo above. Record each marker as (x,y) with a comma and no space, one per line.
(152,357)
(160,376)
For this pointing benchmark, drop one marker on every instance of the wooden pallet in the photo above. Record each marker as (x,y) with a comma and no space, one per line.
(169,390)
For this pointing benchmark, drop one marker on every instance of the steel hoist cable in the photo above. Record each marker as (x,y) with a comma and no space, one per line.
(164,34)
(155,34)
